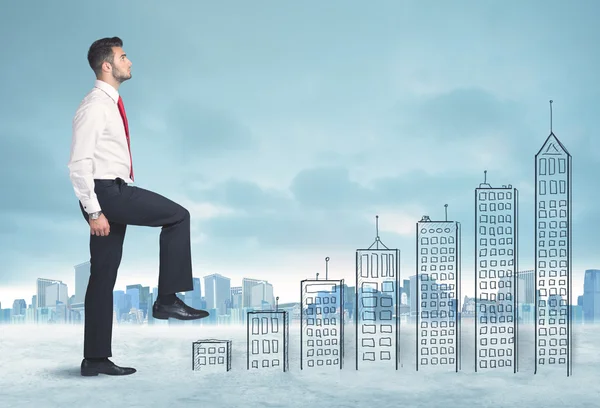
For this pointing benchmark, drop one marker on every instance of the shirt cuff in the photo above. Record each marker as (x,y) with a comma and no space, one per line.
(91,206)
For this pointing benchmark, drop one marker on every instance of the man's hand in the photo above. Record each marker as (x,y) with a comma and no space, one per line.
(100,227)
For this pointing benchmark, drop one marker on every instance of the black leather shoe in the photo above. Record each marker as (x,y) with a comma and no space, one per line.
(178,310)
(91,368)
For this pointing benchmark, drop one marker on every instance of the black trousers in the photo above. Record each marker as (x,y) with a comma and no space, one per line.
(124,205)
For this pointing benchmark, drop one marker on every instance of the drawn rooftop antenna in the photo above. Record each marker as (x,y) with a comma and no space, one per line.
(277,303)
(377,239)
(446,210)
(551,116)
(326,268)
(485,183)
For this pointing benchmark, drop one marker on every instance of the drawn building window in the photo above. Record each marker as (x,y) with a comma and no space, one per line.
(542,187)
(255,325)
(552,167)
(562,166)
(542,166)
(553,189)
(482,195)
(563,187)
(509,196)
(424,241)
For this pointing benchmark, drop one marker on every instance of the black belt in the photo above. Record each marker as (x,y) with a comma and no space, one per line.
(118,180)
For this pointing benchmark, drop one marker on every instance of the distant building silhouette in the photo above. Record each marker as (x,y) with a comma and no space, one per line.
(82,277)
(590,301)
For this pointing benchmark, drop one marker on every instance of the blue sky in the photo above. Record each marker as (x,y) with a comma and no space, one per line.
(285,127)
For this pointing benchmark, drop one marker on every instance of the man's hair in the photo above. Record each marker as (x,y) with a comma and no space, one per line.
(101,51)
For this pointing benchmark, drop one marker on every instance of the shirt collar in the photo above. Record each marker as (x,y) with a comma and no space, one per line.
(109,89)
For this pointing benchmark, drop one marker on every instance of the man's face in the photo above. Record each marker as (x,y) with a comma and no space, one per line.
(121,67)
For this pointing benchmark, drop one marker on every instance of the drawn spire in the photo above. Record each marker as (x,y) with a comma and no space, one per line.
(551,115)
(377,239)
(552,146)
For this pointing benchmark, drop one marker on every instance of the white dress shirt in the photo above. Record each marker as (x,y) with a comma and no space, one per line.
(99,147)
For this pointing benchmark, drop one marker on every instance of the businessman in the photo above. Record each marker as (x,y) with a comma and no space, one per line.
(101,171)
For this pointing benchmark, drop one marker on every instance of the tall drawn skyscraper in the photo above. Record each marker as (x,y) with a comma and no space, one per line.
(321,320)
(496,256)
(438,293)
(553,254)
(377,305)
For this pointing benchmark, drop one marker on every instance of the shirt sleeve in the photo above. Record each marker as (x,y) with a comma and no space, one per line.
(88,124)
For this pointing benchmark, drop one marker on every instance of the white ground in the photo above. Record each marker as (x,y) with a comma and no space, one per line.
(39,367)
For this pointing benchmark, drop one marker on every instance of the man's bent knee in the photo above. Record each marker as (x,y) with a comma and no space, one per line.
(183,215)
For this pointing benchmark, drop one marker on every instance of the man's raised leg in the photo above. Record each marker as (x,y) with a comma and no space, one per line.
(137,206)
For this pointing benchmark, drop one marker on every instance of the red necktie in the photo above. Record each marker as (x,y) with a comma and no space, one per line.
(124,116)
